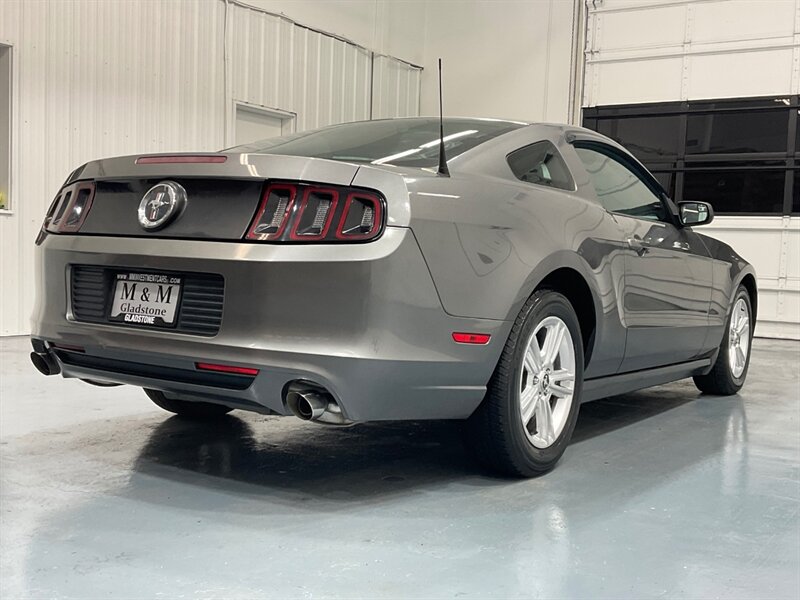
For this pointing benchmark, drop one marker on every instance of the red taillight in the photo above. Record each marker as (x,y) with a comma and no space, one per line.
(180,158)
(297,212)
(68,211)
(226,369)
(313,219)
(273,212)
(361,217)
(471,338)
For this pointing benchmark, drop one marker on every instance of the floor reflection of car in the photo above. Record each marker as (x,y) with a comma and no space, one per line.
(347,275)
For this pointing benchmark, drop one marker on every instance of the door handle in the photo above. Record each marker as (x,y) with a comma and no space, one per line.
(681,246)
(638,245)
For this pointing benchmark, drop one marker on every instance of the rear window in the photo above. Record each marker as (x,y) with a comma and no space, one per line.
(402,142)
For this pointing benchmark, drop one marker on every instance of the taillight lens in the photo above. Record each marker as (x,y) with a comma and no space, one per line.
(70,207)
(361,218)
(293,212)
(315,214)
(273,212)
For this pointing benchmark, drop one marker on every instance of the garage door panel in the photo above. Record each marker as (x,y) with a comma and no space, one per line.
(741,74)
(646,80)
(639,29)
(742,20)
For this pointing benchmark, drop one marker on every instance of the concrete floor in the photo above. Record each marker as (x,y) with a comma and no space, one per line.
(662,493)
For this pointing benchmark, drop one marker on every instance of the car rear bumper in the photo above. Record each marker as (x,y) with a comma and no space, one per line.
(364,321)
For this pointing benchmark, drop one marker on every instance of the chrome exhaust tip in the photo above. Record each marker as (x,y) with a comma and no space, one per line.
(45,364)
(312,403)
(308,406)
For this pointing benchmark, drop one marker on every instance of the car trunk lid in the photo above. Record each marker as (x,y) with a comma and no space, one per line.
(223,194)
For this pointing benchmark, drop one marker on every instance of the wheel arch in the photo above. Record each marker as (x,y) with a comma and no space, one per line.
(749,283)
(566,273)
(573,286)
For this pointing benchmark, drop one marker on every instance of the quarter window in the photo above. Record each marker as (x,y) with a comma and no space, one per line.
(618,188)
(540,163)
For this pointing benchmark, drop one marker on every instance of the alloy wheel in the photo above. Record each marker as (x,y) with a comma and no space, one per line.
(739,338)
(547,380)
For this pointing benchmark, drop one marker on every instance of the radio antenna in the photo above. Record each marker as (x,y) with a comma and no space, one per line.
(443,170)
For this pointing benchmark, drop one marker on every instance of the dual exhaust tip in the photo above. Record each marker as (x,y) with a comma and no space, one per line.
(45,363)
(309,402)
(305,400)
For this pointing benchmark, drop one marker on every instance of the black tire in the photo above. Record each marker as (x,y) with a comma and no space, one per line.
(188,409)
(721,381)
(496,432)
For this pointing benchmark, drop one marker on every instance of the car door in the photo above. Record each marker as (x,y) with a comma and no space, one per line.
(666,291)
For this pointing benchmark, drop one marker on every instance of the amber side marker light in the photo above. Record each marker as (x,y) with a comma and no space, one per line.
(471,338)
(226,369)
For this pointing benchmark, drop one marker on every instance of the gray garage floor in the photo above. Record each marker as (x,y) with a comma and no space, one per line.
(663,493)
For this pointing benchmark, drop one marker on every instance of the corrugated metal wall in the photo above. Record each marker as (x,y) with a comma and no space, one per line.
(396,88)
(641,51)
(96,78)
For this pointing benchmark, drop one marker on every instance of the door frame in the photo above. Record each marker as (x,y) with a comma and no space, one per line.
(236,105)
(13,137)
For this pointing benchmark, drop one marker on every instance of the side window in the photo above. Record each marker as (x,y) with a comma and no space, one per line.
(618,188)
(540,163)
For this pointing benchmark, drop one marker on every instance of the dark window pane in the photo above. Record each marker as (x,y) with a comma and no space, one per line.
(796,192)
(540,163)
(618,188)
(667,181)
(750,191)
(645,137)
(759,131)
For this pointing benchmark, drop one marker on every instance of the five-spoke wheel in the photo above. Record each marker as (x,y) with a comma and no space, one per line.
(547,377)
(739,337)
(733,357)
(527,418)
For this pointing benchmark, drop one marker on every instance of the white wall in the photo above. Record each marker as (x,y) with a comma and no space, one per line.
(393,27)
(772,245)
(671,50)
(501,58)
(94,78)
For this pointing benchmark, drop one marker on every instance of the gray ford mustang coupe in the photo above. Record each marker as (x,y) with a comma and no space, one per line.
(346,274)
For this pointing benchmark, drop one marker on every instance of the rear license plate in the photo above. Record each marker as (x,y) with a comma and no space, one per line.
(145,299)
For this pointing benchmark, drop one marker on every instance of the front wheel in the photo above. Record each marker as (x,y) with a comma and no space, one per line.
(733,359)
(526,420)
(188,409)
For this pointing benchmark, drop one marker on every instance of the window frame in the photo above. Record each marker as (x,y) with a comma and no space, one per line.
(573,186)
(685,163)
(637,169)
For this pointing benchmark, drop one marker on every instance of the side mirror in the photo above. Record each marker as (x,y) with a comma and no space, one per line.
(695,213)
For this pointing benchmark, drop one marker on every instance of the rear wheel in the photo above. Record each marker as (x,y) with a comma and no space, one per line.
(729,372)
(526,420)
(188,409)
